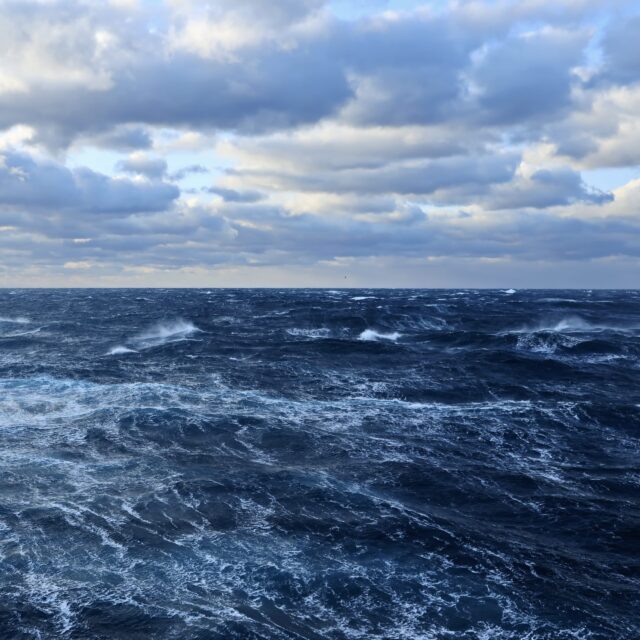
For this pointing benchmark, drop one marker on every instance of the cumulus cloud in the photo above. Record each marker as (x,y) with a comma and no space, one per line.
(30,183)
(306,138)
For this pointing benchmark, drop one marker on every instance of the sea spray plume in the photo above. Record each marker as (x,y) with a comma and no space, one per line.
(168,330)
(161,333)
(119,351)
(573,324)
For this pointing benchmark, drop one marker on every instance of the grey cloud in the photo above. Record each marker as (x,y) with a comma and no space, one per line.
(125,138)
(27,183)
(191,169)
(413,69)
(546,188)
(144,165)
(621,51)
(204,236)
(423,178)
(231,195)
(276,90)
(528,78)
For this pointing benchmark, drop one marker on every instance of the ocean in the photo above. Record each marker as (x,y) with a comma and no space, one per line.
(310,464)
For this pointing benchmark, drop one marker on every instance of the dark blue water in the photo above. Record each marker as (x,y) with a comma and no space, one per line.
(320,464)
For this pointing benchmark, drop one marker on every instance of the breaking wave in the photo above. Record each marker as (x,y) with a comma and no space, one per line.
(575,324)
(370,335)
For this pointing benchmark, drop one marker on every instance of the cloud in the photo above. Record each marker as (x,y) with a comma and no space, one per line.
(30,183)
(230,195)
(191,169)
(144,165)
(85,72)
(621,51)
(527,77)
(462,131)
(122,138)
(420,178)
(546,188)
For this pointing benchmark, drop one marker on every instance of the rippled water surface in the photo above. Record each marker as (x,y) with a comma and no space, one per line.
(311,464)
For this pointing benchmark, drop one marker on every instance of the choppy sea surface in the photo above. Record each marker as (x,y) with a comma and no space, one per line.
(306,464)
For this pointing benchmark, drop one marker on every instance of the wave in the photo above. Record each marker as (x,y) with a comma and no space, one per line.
(369,335)
(572,324)
(364,298)
(165,333)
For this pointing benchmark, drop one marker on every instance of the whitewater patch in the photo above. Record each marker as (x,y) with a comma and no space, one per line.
(19,320)
(544,343)
(369,335)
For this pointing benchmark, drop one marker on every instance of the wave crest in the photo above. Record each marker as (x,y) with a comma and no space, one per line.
(572,324)
(118,351)
(370,335)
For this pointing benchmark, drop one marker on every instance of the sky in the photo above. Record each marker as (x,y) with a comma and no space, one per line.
(318,143)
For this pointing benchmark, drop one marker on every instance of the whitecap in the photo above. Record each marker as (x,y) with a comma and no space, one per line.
(118,351)
(369,335)
(363,298)
(510,291)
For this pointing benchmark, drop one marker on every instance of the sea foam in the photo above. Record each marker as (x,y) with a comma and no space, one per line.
(310,333)
(18,320)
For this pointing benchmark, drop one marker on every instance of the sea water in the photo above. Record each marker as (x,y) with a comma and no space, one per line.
(348,464)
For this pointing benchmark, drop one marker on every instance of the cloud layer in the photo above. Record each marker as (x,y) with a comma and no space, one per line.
(144,141)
